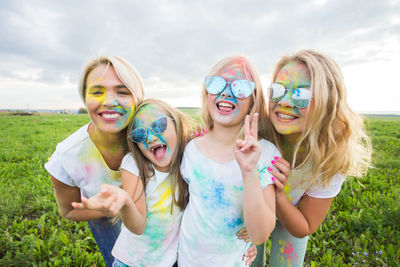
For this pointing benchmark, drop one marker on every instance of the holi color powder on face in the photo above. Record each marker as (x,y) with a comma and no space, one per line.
(157,147)
(237,108)
(232,72)
(287,119)
(109,103)
(294,75)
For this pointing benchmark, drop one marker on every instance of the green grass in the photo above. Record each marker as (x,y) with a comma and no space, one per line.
(364,218)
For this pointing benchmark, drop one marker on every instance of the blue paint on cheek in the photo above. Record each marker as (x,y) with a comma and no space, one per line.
(234,100)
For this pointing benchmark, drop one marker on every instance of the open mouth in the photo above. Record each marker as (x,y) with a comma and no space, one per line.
(283,116)
(110,115)
(225,107)
(158,151)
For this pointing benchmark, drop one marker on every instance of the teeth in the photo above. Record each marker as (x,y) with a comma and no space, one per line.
(284,116)
(154,147)
(223,104)
(111,116)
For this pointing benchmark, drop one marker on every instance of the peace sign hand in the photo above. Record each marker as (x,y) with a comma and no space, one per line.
(248,151)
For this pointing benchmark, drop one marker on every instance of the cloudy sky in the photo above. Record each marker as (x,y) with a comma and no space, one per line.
(173,44)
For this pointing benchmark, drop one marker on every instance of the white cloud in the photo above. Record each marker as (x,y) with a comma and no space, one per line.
(173,44)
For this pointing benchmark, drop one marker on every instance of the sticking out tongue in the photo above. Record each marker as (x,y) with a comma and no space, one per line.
(159,151)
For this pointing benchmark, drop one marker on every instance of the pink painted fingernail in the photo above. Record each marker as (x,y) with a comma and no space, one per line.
(276,158)
(205,131)
(201,133)
(273,178)
(273,161)
(196,133)
(270,169)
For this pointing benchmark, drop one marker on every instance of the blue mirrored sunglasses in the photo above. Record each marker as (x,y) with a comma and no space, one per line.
(240,88)
(301,97)
(139,135)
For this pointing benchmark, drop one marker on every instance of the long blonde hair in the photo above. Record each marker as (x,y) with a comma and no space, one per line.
(334,140)
(184,127)
(125,72)
(258,100)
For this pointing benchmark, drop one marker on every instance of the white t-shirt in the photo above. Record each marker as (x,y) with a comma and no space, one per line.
(215,210)
(158,245)
(294,190)
(78,162)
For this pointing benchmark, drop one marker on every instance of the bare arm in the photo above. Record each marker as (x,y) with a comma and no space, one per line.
(304,219)
(65,195)
(258,205)
(258,210)
(133,215)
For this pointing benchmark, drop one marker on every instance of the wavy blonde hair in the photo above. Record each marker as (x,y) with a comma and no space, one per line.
(335,140)
(184,126)
(257,97)
(125,72)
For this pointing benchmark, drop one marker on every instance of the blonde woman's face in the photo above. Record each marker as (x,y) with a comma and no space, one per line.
(287,119)
(225,109)
(109,103)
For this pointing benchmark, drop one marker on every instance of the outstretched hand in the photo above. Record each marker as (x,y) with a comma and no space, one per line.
(247,151)
(109,201)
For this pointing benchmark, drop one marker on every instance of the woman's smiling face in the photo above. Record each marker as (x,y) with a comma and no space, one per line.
(109,102)
(287,119)
(157,147)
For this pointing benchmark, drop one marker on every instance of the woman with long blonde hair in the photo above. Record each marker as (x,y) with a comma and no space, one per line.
(323,141)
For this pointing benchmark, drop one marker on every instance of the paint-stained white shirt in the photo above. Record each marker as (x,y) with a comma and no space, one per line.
(215,210)
(295,190)
(158,245)
(78,162)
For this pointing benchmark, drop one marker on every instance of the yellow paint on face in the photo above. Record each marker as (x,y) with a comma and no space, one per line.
(294,75)
(96,94)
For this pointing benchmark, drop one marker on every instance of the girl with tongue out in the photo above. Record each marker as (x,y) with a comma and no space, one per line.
(92,155)
(323,140)
(151,206)
(226,171)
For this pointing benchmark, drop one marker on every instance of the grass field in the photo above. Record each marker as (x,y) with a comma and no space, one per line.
(362,227)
